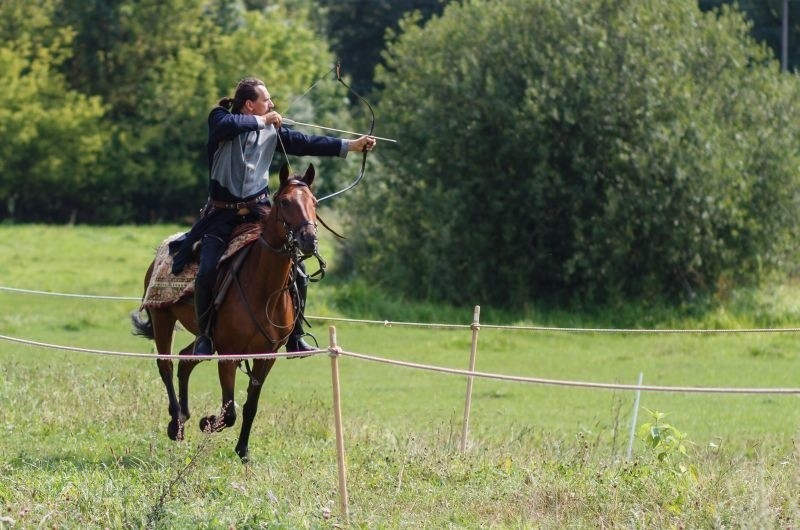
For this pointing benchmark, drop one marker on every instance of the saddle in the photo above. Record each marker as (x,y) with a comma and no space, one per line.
(165,288)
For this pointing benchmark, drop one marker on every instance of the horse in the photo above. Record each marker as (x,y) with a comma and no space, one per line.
(256,317)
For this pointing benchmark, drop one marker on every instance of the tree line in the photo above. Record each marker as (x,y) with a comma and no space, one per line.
(589,149)
(104,118)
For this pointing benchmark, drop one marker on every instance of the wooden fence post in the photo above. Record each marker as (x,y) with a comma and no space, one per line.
(473,352)
(337,415)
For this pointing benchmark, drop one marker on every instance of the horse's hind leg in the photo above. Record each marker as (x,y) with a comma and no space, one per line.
(163,330)
(173,429)
(261,368)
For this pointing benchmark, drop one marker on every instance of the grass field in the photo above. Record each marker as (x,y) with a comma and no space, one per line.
(84,436)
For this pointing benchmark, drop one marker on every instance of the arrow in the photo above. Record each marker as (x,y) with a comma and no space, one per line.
(289,121)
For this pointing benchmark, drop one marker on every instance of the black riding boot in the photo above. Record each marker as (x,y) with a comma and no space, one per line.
(296,342)
(203,301)
(212,248)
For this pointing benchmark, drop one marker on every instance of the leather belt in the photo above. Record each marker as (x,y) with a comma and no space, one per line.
(245,205)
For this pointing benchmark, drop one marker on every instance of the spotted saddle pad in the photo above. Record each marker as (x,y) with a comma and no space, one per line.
(166,288)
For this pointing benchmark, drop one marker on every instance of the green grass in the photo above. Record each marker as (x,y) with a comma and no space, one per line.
(84,437)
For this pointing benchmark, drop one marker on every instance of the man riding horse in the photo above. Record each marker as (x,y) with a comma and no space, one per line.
(244,132)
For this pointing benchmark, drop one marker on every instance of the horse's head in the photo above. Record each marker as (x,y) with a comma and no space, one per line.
(294,208)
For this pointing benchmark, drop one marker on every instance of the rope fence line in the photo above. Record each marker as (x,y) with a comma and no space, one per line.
(224,357)
(418,366)
(335,352)
(69,295)
(643,331)
(391,323)
(579,384)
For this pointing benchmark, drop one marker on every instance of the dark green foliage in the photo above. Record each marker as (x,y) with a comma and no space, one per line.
(356,30)
(590,150)
(767,17)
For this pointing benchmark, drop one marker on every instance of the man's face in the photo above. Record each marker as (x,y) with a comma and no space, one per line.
(262,104)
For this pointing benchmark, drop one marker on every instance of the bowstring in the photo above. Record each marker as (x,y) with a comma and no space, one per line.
(371,131)
(361,98)
(291,104)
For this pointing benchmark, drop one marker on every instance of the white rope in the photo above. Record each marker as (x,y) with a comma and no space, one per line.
(580,384)
(390,323)
(406,364)
(69,295)
(223,357)
(642,330)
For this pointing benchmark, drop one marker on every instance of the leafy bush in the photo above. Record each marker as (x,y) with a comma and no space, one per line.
(589,150)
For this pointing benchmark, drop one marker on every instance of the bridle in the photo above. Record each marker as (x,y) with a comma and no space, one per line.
(289,247)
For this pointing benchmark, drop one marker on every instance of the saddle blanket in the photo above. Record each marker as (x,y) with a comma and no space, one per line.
(165,288)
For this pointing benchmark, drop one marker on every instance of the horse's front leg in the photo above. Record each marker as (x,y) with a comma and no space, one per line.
(227,417)
(261,368)
(185,367)
(174,408)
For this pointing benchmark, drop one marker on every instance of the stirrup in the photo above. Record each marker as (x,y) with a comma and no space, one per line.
(298,345)
(207,344)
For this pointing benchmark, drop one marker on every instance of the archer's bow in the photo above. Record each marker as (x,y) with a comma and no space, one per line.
(371,130)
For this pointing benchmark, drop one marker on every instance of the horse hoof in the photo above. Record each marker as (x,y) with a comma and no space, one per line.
(210,424)
(243,453)
(175,430)
(207,423)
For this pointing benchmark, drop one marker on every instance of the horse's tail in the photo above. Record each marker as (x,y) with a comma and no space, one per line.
(142,327)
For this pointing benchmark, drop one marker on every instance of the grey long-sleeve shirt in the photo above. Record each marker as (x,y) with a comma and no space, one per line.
(241,148)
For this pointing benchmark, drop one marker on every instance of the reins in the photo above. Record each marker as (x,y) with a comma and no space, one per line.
(331,230)
(290,251)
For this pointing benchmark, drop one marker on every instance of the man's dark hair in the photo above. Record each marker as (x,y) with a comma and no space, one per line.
(245,91)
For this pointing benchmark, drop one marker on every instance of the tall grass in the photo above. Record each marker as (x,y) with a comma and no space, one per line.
(84,437)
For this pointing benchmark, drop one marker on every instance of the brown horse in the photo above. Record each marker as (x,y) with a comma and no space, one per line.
(256,317)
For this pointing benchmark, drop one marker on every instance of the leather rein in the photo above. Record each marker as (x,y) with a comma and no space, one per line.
(290,251)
